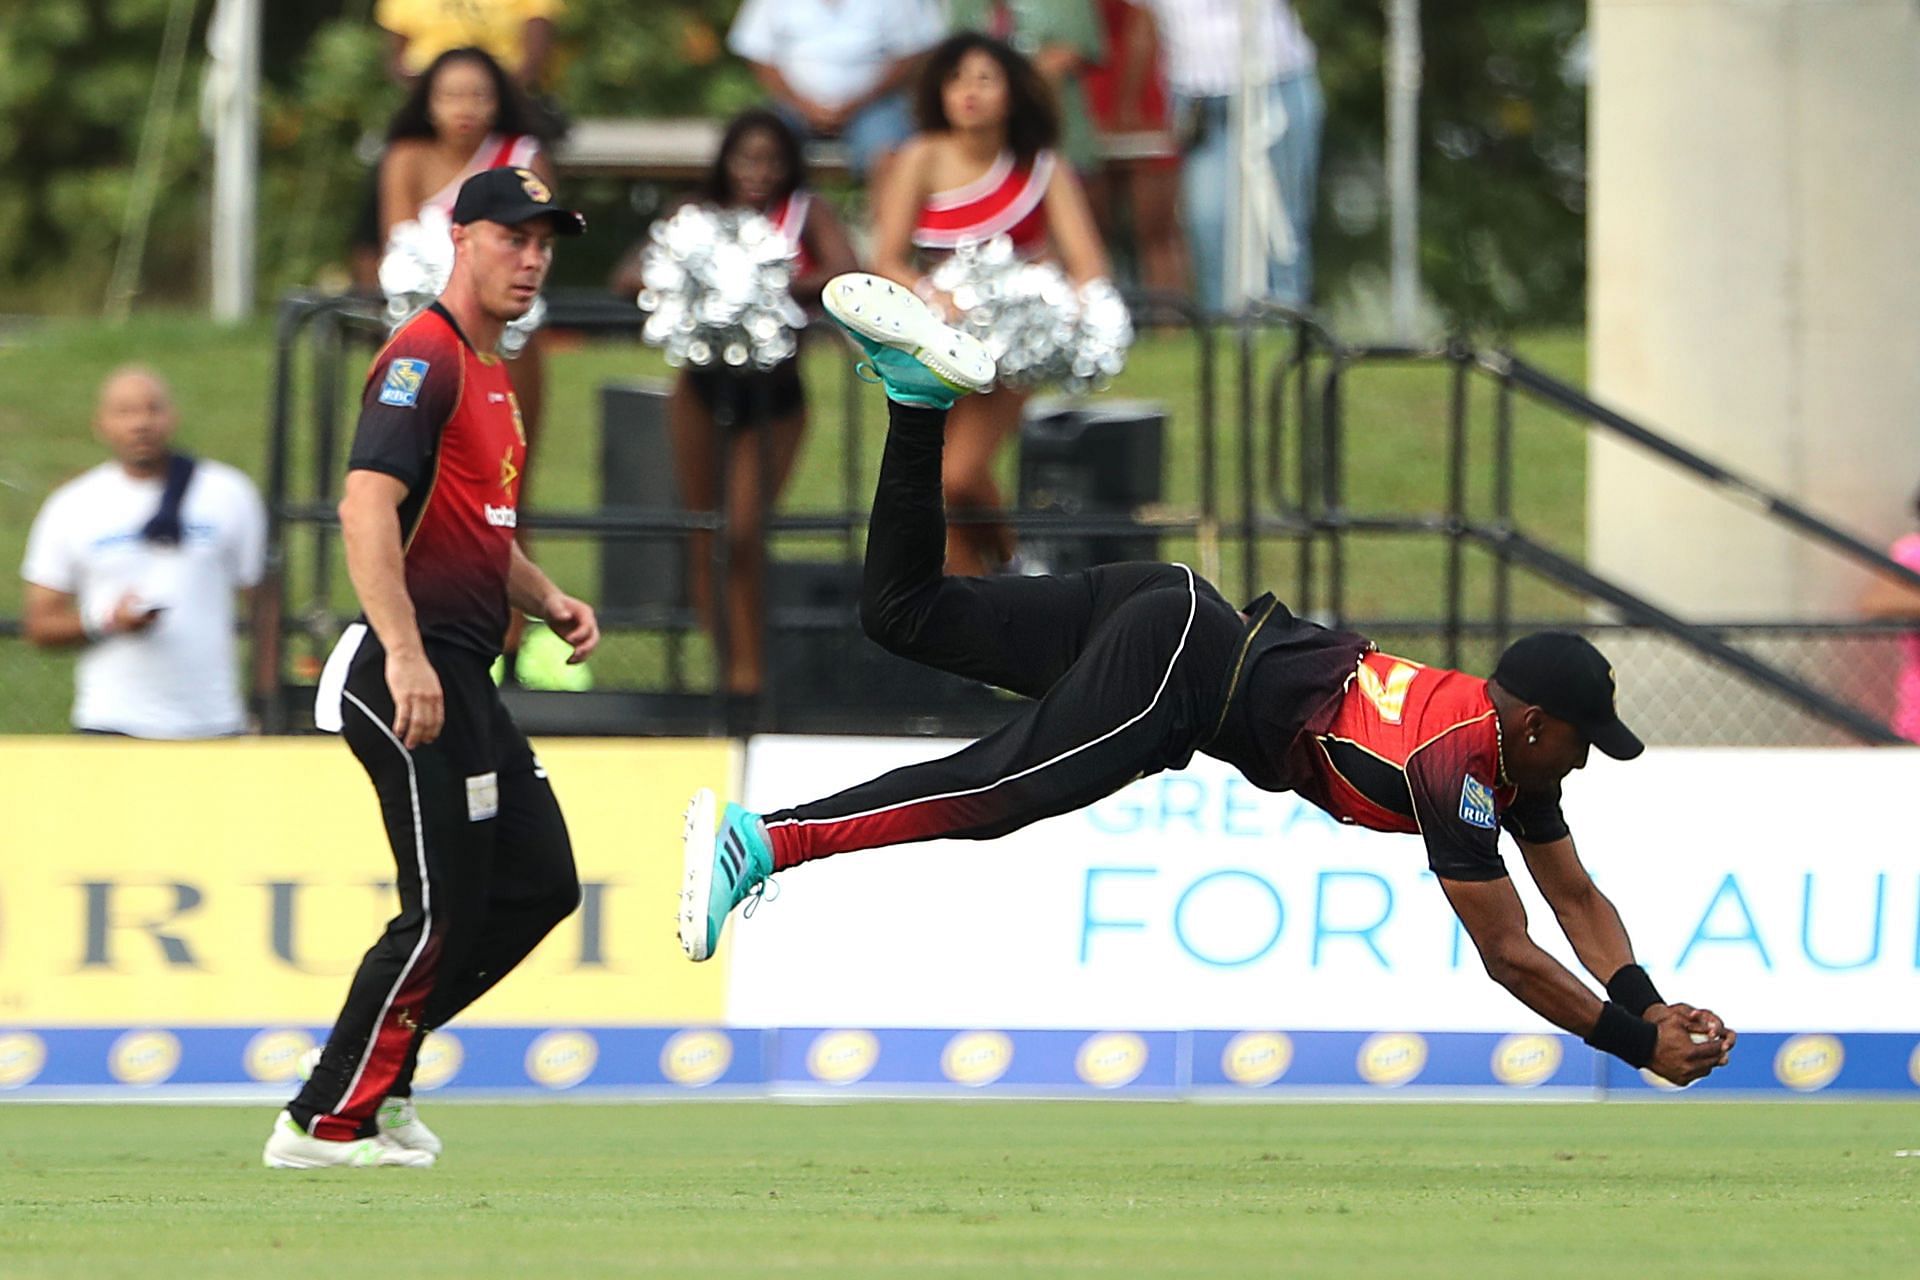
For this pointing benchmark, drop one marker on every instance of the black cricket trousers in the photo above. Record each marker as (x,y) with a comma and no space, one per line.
(485,871)
(1132,665)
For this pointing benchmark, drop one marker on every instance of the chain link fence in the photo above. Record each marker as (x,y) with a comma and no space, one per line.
(1672,696)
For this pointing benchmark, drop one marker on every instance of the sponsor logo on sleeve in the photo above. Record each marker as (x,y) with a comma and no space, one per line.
(1476,803)
(401,387)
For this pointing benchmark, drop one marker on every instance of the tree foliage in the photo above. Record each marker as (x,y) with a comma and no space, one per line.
(1502,138)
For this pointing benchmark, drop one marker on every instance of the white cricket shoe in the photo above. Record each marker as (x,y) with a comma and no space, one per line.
(291,1147)
(921,359)
(398,1121)
(401,1124)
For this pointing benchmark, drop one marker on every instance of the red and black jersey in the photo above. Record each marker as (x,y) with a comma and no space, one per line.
(441,417)
(1412,748)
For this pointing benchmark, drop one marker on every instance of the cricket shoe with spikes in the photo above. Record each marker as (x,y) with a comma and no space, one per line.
(727,861)
(920,360)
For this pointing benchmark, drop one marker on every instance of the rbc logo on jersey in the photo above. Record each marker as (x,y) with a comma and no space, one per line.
(1476,803)
(404,380)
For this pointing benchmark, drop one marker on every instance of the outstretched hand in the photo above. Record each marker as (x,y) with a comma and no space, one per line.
(1691,1043)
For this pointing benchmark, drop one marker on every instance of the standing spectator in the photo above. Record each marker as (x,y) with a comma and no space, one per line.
(1204,43)
(518,34)
(983,165)
(1890,601)
(839,68)
(1127,94)
(756,419)
(1062,40)
(140,560)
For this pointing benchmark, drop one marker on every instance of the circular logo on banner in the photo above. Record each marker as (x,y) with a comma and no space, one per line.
(22,1056)
(1256,1058)
(1913,1066)
(562,1059)
(842,1057)
(144,1057)
(696,1058)
(274,1056)
(440,1060)
(1807,1063)
(976,1058)
(1392,1058)
(1111,1059)
(1526,1060)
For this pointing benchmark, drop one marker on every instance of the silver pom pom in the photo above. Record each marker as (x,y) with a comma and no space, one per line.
(1039,328)
(414,272)
(716,289)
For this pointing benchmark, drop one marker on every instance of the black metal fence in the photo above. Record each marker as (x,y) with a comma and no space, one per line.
(1270,505)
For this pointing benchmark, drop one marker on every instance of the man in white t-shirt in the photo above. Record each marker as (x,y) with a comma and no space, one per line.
(840,68)
(140,561)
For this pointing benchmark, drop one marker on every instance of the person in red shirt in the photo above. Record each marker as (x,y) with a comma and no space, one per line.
(485,868)
(1135,667)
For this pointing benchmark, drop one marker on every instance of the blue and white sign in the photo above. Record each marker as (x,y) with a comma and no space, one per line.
(1192,900)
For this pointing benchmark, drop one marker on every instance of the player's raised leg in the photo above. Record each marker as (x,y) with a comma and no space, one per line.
(1128,661)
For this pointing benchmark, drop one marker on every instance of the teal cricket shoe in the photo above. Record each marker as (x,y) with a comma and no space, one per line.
(920,360)
(728,860)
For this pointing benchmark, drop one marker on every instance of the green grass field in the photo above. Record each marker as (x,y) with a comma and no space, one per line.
(1132,1189)
(49,372)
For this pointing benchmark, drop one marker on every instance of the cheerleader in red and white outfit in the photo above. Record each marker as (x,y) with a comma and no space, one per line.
(760,166)
(981,166)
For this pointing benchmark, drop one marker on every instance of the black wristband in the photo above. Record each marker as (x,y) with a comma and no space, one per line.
(1633,990)
(1625,1036)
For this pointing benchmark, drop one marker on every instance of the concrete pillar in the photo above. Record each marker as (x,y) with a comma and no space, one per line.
(1754,288)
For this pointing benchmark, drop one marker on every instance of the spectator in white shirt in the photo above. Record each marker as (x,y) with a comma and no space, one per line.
(139,560)
(840,68)
(1203,44)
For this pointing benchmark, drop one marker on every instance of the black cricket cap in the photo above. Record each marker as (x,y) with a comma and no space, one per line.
(1565,676)
(511,197)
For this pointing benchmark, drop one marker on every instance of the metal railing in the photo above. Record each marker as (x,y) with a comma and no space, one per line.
(1287,451)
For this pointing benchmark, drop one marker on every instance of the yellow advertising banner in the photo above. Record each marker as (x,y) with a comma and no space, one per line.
(239,882)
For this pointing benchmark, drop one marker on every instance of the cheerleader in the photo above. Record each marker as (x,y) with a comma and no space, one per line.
(710,411)
(982,166)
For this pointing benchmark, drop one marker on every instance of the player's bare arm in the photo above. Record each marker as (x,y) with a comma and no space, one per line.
(1496,920)
(1594,928)
(370,528)
(532,592)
